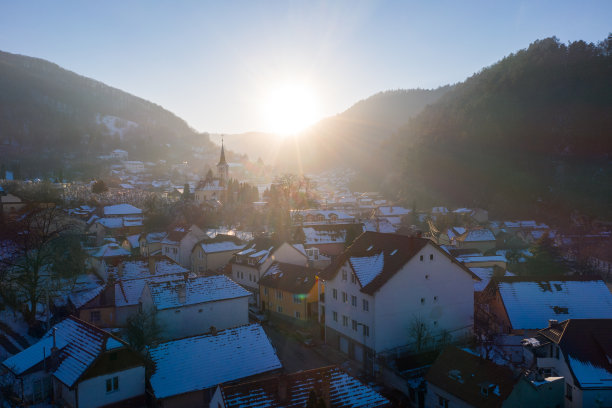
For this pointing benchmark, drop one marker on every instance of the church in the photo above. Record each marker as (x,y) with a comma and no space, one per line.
(213,189)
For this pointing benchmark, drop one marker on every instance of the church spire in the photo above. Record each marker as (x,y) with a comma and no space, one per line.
(222,166)
(222,158)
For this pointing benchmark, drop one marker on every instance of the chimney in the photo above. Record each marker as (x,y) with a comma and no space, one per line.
(283,392)
(151,265)
(213,330)
(552,322)
(54,348)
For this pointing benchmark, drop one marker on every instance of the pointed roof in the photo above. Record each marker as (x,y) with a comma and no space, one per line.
(222,157)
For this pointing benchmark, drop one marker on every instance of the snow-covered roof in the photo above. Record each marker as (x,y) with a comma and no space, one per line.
(78,299)
(121,209)
(197,290)
(478,235)
(128,292)
(531,303)
(315,236)
(344,391)
(480,258)
(393,211)
(222,246)
(485,274)
(139,269)
(202,362)
(109,250)
(368,267)
(110,223)
(381,225)
(133,240)
(79,346)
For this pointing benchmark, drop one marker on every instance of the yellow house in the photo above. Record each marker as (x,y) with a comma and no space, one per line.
(289,291)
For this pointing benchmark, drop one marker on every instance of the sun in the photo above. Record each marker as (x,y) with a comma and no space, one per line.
(290,107)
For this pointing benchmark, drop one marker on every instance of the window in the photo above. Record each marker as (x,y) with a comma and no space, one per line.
(344,274)
(297,299)
(335,316)
(421,258)
(355,325)
(112,384)
(200,310)
(113,356)
(335,294)
(431,257)
(279,294)
(344,297)
(557,352)
(345,321)
(354,301)
(279,309)
(366,305)
(435,323)
(422,301)
(442,402)
(353,278)
(568,391)
(435,299)
(297,315)
(94,316)
(177,311)
(266,291)
(366,330)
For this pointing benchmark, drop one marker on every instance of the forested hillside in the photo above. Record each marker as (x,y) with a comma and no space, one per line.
(532,132)
(48,114)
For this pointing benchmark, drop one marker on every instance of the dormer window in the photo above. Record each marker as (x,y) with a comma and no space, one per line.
(344,274)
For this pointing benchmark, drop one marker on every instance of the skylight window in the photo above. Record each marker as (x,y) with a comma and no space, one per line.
(394,252)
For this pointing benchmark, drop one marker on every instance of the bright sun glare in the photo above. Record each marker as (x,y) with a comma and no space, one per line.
(290,107)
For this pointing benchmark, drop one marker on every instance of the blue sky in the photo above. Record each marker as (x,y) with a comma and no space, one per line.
(213,63)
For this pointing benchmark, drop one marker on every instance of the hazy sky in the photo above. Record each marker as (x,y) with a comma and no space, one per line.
(214,63)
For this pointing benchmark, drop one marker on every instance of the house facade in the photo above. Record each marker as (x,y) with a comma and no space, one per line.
(386,283)
(196,305)
(178,244)
(78,365)
(290,292)
(579,351)
(211,255)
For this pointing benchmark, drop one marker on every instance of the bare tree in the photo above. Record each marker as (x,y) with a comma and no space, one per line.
(419,332)
(37,239)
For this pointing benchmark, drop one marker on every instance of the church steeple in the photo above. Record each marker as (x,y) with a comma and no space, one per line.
(222,166)
(222,158)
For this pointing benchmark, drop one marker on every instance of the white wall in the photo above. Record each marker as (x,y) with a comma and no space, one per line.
(247,275)
(347,309)
(197,319)
(392,308)
(92,392)
(448,293)
(288,254)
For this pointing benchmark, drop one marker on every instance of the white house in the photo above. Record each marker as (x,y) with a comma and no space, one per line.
(78,365)
(578,350)
(213,254)
(384,284)
(250,264)
(196,305)
(178,244)
(188,370)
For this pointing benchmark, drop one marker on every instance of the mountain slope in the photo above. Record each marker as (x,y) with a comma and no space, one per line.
(47,112)
(530,133)
(346,139)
